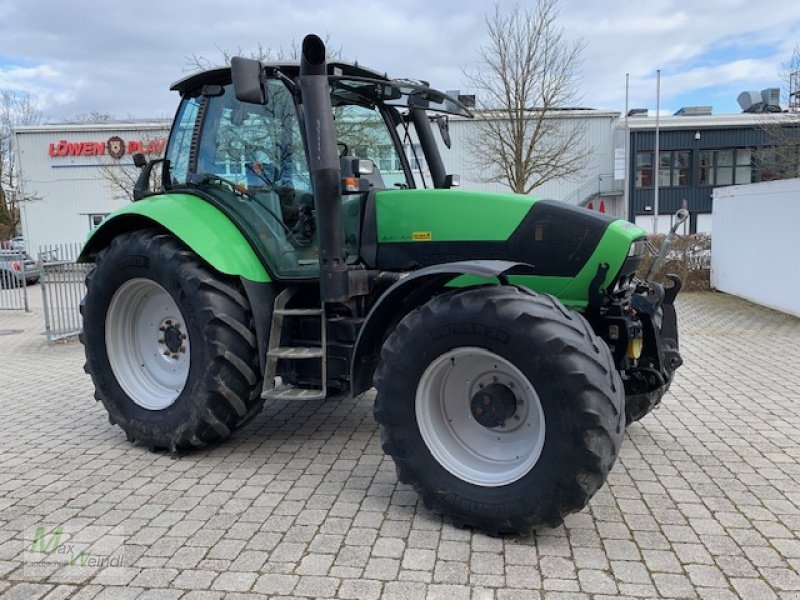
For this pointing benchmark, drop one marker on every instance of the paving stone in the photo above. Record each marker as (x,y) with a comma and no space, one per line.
(703,501)
(316,587)
(753,588)
(418,559)
(384,569)
(360,589)
(276,584)
(234,581)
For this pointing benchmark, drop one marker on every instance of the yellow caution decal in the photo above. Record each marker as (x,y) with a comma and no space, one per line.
(421,236)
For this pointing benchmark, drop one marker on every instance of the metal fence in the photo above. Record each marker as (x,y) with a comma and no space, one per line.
(63,289)
(15,273)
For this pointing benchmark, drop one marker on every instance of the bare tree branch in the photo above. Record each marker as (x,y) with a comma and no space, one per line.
(527,74)
(16,109)
(195,62)
(781,158)
(121,178)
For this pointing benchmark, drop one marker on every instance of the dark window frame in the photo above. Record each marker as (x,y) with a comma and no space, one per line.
(708,174)
(644,172)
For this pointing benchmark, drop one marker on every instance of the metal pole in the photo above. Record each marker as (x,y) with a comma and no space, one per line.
(627,186)
(48,328)
(656,154)
(24,282)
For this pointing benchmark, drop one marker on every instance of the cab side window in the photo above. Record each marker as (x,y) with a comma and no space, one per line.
(180,140)
(256,146)
(252,159)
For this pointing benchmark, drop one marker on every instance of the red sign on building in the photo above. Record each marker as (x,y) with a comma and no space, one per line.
(115,147)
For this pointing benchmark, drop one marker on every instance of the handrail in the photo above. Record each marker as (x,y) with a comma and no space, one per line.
(593,187)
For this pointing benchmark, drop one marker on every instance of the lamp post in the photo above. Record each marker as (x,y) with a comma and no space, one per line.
(656,153)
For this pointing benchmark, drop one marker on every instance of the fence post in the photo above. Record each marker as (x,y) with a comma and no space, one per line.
(24,283)
(45,304)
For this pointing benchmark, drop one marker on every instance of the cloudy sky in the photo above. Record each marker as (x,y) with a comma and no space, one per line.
(121,57)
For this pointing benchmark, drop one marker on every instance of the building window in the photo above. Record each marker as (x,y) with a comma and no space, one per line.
(679,167)
(95,220)
(776,163)
(416,157)
(388,159)
(673,168)
(725,167)
(644,169)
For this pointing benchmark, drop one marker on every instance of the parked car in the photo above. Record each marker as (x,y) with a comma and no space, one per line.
(15,243)
(16,266)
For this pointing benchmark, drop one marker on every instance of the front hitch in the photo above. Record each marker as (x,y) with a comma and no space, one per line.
(654,308)
(680,218)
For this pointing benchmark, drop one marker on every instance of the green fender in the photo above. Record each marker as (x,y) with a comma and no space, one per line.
(198,224)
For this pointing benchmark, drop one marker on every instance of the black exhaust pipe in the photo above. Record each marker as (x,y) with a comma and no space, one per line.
(323,159)
(432,155)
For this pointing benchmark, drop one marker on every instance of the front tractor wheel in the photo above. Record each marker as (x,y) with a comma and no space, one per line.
(169,343)
(500,407)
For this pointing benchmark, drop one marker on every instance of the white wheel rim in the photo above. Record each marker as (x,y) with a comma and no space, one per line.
(147,344)
(475,453)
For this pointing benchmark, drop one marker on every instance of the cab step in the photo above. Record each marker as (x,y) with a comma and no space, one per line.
(298,312)
(296,352)
(274,389)
(289,392)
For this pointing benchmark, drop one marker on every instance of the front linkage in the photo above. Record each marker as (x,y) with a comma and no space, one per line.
(640,326)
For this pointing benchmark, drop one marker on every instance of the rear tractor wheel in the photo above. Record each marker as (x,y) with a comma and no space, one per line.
(500,407)
(169,343)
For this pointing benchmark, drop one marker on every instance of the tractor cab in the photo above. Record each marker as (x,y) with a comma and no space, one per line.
(249,158)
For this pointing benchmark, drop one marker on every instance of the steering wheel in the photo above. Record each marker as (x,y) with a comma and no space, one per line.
(345,149)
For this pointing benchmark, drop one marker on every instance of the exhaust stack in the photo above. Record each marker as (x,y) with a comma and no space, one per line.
(323,160)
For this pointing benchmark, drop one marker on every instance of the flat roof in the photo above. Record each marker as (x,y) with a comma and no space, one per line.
(556,113)
(127,125)
(706,121)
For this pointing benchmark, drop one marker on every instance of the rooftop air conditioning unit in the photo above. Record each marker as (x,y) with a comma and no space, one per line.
(771,96)
(750,101)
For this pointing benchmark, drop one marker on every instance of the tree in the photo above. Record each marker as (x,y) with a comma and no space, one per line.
(790,76)
(16,109)
(780,159)
(121,178)
(195,62)
(527,73)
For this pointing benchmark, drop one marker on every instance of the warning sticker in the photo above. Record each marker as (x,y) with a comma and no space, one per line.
(421,236)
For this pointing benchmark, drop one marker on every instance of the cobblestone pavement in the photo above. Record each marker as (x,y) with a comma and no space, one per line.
(703,503)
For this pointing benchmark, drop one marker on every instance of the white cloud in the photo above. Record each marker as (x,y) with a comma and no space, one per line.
(122,57)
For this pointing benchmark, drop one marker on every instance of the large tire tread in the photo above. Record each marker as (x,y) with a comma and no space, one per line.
(596,395)
(231,381)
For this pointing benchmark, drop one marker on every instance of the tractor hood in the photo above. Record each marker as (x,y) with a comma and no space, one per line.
(566,245)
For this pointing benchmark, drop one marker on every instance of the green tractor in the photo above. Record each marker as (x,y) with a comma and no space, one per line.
(288,255)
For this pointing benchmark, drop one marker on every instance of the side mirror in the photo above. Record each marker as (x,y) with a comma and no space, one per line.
(444,129)
(139,160)
(249,83)
(451,181)
(141,188)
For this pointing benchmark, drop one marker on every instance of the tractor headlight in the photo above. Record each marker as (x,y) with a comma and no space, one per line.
(635,347)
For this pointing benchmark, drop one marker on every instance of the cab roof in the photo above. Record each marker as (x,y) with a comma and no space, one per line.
(291,68)
(364,83)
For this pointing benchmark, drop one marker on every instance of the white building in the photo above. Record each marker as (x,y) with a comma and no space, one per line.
(597,182)
(65,172)
(66,169)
